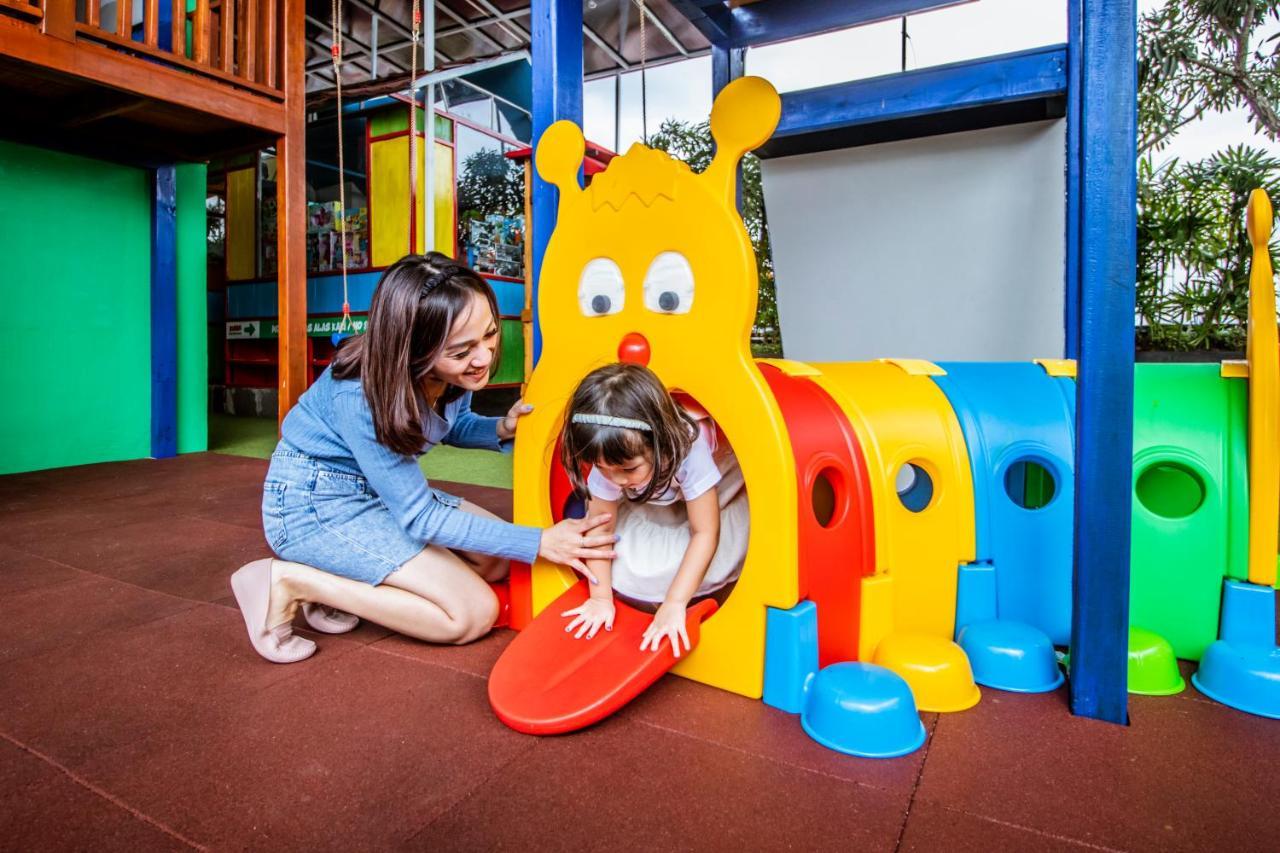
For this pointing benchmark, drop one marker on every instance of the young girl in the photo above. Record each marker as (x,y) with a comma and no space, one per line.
(345,507)
(681,510)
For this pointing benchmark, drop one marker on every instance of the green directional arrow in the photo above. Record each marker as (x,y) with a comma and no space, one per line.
(249,329)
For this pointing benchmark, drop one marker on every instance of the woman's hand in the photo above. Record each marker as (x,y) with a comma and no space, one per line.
(507,426)
(570,542)
(667,622)
(590,616)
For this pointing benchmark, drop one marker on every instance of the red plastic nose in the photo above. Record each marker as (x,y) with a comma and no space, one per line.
(634,349)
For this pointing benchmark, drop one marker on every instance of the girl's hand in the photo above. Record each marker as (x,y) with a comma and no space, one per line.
(667,622)
(507,426)
(568,543)
(589,616)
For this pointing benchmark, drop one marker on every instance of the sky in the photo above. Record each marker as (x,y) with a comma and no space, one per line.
(983,28)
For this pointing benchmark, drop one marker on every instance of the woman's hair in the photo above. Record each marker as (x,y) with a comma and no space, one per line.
(414,307)
(635,393)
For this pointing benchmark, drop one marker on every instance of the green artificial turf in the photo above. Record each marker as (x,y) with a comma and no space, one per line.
(256,437)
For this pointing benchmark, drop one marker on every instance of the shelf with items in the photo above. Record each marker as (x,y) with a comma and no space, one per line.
(325,231)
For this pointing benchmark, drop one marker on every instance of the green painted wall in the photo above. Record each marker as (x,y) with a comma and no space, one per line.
(193,350)
(75,289)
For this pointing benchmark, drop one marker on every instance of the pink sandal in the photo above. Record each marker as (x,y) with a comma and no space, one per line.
(329,620)
(251,585)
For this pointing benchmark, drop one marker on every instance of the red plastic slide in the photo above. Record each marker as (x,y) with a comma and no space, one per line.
(548,683)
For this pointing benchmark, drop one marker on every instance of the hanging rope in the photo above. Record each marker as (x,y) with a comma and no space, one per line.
(345,326)
(644,94)
(413,124)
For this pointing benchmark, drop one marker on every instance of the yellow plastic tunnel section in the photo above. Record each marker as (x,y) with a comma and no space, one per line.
(645,213)
(904,421)
(1264,398)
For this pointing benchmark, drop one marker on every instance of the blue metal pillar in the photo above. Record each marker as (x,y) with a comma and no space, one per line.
(556,27)
(164,313)
(1102,177)
(727,65)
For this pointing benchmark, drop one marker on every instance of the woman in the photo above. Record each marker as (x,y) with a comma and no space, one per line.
(358,530)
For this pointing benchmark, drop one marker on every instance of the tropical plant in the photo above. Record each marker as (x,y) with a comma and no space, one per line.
(1207,56)
(1193,253)
(692,143)
(1198,57)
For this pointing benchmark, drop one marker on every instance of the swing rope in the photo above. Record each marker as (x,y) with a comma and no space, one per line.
(335,50)
(413,122)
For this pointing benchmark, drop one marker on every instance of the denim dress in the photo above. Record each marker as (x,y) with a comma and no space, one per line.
(337,499)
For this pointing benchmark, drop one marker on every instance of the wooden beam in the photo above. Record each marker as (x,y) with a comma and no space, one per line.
(267,42)
(178,27)
(227,33)
(102,107)
(22,7)
(168,58)
(124,19)
(200,32)
(122,72)
(291,212)
(151,22)
(247,40)
(59,20)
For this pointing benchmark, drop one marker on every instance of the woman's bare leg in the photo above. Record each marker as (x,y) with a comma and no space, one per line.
(487,566)
(435,596)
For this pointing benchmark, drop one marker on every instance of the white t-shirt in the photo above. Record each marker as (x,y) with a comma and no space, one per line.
(696,474)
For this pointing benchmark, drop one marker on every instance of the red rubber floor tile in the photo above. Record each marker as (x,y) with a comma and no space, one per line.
(1185,775)
(20,572)
(630,786)
(359,751)
(154,538)
(59,616)
(931,827)
(122,686)
(474,658)
(45,809)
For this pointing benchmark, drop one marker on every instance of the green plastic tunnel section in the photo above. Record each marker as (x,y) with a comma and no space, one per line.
(1190,500)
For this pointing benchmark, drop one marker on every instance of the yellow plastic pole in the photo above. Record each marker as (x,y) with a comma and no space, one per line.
(1264,398)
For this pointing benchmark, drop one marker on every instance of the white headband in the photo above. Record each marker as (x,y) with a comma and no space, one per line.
(610,420)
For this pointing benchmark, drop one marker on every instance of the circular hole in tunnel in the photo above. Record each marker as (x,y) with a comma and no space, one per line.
(1170,490)
(1029,484)
(914,487)
(824,496)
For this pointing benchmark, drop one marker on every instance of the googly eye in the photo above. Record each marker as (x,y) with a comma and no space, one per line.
(600,288)
(668,285)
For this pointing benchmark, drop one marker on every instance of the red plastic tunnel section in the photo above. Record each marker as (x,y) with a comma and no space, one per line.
(560,491)
(835,524)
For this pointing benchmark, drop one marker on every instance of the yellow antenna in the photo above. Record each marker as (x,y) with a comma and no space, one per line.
(1264,398)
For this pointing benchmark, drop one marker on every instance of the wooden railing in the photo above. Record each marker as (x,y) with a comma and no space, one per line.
(236,42)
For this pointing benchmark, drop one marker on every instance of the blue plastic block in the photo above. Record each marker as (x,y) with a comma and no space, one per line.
(1248,614)
(1018,420)
(790,655)
(975,595)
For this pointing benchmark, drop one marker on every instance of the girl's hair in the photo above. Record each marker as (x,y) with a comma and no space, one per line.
(633,392)
(414,307)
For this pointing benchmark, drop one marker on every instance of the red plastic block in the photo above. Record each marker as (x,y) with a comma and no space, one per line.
(503,591)
(836,523)
(548,683)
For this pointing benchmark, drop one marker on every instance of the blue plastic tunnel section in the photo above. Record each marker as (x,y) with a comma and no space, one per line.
(1019,426)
